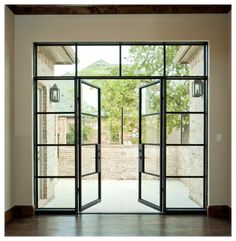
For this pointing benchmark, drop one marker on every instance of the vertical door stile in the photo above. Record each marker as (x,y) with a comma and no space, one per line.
(150,140)
(89,143)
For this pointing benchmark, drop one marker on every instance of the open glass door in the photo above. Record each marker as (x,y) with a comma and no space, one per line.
(89,145)
(150,178)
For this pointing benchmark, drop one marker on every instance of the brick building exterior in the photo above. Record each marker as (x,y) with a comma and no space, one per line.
(190,159)
(53,128)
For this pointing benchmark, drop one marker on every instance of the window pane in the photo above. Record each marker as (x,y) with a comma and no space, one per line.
(146,60)
(184,160)
(56,161)
(55,129)
(56,60)
(98,60)
(65,92)
(88,159)
(89,96)
(151,129)
(150,189)
(185,130)
(180,97)
(151,99)
(184,193)
(152,159)
(184,60)
(130,128)
(89,129)
(56,192)
(89,188)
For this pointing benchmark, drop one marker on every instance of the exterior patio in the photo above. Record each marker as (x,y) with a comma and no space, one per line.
(121,195)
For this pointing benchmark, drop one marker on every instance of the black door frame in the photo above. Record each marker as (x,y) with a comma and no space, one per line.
(77,78)
(80,144)
(142,149)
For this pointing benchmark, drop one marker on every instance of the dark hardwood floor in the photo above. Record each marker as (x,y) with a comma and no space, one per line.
(118,225)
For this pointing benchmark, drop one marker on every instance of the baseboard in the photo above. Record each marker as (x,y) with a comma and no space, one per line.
(221,211)
(19,211)
(9,214)
(23,211)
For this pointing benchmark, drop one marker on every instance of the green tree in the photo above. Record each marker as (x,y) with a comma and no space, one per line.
(70,135)
(148,60)
(115,94)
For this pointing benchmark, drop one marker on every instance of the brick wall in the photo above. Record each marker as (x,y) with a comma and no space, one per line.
(46,126)
(88,156)
(45,63)
(66,161)
(190,159)
(119,162)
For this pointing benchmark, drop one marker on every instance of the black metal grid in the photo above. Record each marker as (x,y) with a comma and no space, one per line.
(77,110)
(204,78)
(76,89)
(97,161)
(142,146)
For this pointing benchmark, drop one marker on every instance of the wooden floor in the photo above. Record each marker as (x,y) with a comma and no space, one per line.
(118,225)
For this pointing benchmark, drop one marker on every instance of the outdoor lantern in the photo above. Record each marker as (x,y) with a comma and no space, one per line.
(54,94)
(197,88)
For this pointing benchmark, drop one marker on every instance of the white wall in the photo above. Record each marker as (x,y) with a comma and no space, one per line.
(9,114)
(212,28)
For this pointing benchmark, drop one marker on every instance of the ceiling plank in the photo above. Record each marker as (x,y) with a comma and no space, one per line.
(118,9)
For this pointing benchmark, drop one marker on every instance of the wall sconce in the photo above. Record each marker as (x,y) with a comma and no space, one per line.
(197,88)
(54,94)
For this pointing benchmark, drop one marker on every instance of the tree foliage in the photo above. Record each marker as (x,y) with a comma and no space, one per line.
(118,94)
(149,59)
(115,95)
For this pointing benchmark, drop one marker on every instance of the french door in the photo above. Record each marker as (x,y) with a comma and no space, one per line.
(150,164)
(89,145)
(173,122)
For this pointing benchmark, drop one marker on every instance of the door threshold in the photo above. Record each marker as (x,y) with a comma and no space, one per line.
(121,213)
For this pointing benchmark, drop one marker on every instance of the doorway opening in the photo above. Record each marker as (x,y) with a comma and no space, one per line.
(120,127)
(119,145)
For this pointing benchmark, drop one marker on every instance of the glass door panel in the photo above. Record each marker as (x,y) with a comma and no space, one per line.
(90,144)
(149,145)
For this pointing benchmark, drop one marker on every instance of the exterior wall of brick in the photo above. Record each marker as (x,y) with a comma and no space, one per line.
(88,156)
(62,129)
(46,126)
(196,63)
(45,63)
(119,162)
(66,161)
(190,160)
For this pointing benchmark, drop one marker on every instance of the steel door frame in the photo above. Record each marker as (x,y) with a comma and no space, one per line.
(142,150)
(80,144)
(76,79)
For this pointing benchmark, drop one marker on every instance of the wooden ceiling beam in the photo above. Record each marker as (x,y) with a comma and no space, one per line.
(118,9)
